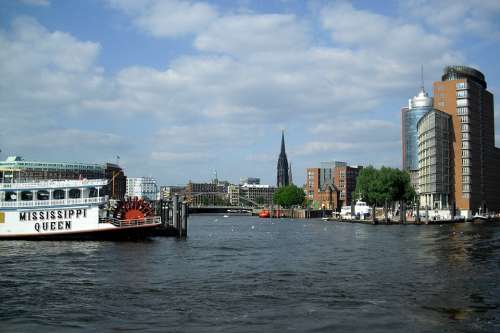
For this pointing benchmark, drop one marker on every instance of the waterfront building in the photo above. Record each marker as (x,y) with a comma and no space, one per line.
(320,190)
(233,192)
(417,107)
(344,178)
(251,194)
(434,148)
(117,186)
(332,164)
(282,168)
(249,180)
(167,192)
(462,93)
(331,188)
(142,188)
(207,194)
(259,194)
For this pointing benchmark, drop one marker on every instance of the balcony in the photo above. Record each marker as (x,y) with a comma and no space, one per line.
(52,203)
(52,184)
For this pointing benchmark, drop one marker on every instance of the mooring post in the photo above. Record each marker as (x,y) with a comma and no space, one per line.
(184,215)
(160,211)
(175,212)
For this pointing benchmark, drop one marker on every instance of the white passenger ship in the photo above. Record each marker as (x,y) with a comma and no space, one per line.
(69,209)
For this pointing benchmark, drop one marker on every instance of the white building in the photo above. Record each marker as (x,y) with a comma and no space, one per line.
(251,194)
(142,188)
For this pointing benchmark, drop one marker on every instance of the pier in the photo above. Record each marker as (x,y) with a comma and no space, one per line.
(174,217)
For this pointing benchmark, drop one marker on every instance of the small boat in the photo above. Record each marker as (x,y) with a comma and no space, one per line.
(361,210)
(479,217)
(264,214)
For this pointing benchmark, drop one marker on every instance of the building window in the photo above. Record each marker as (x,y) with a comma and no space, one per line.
(462,102)
(462,93)
(461,85)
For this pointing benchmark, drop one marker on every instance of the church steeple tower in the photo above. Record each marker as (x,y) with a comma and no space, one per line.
(282,169)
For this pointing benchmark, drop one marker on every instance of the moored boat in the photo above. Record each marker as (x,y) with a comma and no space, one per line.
(264,214)
(54,209)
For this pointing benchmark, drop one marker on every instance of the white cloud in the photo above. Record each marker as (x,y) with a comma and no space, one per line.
(168,18)
(45,72)
(384,37)
(244,34)
(454,18)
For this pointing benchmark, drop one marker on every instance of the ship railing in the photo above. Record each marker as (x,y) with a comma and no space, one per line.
(53,202)
(54,184)
(153,220)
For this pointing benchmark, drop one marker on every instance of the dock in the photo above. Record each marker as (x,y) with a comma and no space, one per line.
(174,217)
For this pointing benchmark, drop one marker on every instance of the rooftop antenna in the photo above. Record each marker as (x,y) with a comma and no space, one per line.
(422,76)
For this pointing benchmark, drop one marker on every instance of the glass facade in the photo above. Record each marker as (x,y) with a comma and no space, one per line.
(417,108)
(434,147)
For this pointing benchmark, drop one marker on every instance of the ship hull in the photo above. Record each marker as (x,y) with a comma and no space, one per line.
(135,232)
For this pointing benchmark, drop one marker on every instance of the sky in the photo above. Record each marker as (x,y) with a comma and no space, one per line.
(179,89)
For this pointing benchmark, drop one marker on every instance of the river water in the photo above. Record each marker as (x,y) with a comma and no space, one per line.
(244,274)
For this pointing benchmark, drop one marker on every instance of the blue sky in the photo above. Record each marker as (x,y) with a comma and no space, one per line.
(180,88)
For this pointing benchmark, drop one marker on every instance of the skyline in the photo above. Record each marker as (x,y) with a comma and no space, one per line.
(87,81)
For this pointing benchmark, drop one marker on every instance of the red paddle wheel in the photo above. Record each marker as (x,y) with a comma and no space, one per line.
(133,208)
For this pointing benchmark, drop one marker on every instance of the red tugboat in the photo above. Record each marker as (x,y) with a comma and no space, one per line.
(264,214)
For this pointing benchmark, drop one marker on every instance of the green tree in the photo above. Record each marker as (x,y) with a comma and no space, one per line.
(289,196)
(384,187)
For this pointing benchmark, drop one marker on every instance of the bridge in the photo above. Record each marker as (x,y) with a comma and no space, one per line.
(251,204)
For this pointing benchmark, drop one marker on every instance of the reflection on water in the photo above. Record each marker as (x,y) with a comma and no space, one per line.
(246,274)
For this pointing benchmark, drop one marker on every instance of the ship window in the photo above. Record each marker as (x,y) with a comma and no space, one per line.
(75,193)
(10,196)
(58,194)
(92,192)
(42,195)
(26,195)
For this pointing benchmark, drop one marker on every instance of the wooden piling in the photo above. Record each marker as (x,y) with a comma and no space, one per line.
(184,217)
(175,213)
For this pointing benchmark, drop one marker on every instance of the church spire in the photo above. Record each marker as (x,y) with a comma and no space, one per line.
(282,143)
(282,169)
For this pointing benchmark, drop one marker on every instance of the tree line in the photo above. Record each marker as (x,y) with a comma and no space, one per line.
(384,187)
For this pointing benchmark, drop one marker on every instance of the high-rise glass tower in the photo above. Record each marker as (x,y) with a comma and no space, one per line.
(418,106)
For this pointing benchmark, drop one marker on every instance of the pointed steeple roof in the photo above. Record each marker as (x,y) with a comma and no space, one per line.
(282,142)
(283,171)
